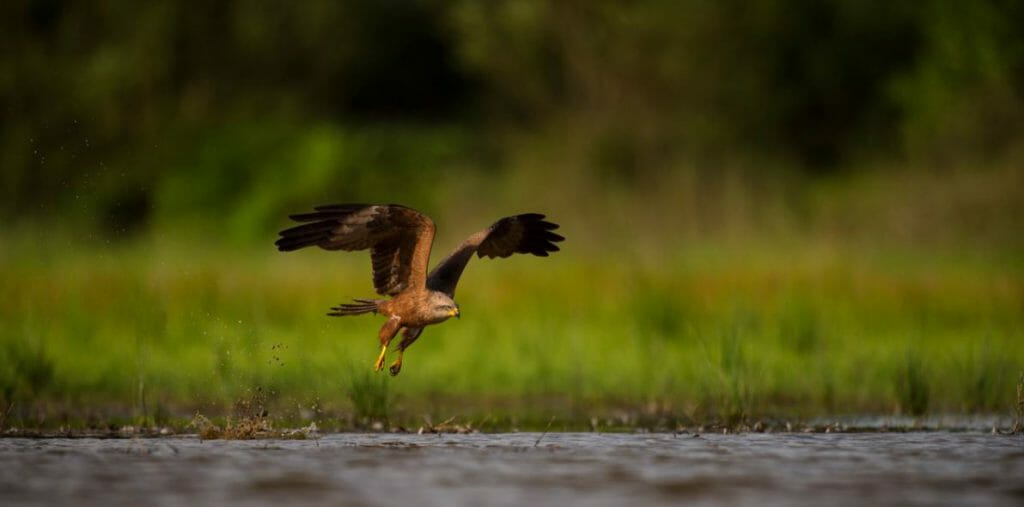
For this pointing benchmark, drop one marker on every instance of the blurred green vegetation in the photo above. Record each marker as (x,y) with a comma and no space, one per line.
(786,208)
(706,333)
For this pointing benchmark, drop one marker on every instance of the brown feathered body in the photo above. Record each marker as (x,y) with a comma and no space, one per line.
(400,239)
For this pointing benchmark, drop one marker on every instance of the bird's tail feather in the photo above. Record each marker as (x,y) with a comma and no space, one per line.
(358,307)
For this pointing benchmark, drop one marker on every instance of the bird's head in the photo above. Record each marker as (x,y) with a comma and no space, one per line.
(443,306)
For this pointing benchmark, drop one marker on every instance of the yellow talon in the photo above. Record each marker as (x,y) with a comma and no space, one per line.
(380,359)
(397,365)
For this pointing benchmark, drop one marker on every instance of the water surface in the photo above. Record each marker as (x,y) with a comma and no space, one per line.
(928,468)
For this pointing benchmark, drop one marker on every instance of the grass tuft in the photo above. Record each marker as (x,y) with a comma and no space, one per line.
(27,372)
(1018,423)
(371,401)
(912,385)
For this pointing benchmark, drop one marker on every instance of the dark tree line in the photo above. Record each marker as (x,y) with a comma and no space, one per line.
(115,98)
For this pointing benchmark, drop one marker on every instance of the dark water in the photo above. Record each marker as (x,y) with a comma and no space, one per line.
(508,469)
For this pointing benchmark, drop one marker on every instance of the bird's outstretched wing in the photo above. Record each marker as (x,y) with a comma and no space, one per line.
(528,234)
(398,237)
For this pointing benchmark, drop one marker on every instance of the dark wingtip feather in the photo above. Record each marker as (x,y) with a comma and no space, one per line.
(310,229)
(305,217)
(328,212)
(543,240)
(537,238)
(283,246)
(553,237)
(287,245)
(308,234)
(317,227)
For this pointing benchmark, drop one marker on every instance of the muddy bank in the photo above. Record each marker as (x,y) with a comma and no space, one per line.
(265,427)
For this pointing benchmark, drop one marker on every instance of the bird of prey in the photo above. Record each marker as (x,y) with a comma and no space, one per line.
(399,239)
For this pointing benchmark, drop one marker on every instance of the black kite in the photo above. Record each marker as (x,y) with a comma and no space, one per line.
(399,240)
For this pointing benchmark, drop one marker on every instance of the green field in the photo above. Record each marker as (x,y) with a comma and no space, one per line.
(154,331)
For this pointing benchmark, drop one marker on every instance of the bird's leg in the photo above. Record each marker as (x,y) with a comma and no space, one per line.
(409,335)
(397,365)
(387,332)
(380,359)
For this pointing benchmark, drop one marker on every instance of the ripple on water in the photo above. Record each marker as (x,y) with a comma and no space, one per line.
(516,469)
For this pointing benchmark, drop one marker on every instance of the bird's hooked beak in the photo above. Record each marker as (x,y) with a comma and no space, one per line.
(454,312)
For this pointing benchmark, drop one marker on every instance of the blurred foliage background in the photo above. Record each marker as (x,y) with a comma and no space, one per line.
(774,207)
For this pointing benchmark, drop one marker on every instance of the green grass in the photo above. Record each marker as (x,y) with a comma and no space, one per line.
(1018,420)
(151,333)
